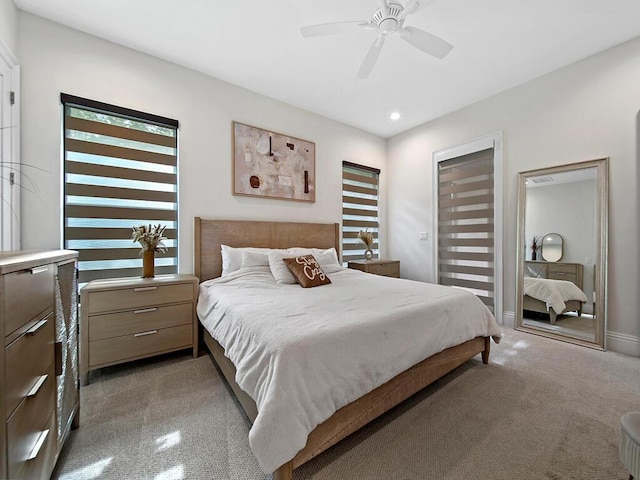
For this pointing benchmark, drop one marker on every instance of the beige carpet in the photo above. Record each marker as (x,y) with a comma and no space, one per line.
(541,410)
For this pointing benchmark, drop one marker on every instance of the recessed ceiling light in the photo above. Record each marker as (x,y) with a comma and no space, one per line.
(395,116)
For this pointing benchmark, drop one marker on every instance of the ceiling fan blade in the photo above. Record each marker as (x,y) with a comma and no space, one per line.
(413,6)
(425,41)
(384,7)
(335,28)
(371,58)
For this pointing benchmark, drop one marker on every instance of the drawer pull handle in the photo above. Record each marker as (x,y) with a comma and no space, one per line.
(144,334)
(37,270)
(36,387)
(33,330)
(36,448)
(144,289)
(145,310)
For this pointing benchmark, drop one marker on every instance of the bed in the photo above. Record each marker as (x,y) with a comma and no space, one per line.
(364,400)
(553,297)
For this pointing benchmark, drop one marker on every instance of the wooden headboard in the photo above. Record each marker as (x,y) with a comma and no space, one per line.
(210,234)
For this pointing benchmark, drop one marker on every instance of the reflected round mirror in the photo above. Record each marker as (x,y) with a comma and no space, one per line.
(552,247)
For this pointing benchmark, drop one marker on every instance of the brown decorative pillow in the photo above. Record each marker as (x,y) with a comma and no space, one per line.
(307,271)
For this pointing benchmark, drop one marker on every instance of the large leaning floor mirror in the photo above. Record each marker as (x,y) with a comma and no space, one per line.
(562,252)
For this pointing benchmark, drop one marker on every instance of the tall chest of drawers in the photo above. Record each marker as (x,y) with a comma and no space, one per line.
(39,398)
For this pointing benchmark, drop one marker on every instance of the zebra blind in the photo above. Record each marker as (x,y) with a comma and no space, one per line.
(359,209)
(120,171)
(466,224)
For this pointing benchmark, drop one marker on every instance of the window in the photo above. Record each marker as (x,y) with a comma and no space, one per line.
(359,209)
(120,170)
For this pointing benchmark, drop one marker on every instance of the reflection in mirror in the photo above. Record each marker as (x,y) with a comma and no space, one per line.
(561,292)
(551,247)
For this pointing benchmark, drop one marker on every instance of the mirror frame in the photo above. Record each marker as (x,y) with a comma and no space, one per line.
(602,228)
(544,237)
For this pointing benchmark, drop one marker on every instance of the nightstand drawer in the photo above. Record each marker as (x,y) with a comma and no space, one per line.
(390,269)
(140,297)
(140,320)
(140,344)
(27,359)
(29,447)
(27,294)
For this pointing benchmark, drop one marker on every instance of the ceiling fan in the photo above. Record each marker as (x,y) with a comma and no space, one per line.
(387,20)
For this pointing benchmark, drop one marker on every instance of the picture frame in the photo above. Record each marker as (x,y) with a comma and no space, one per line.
(272,165)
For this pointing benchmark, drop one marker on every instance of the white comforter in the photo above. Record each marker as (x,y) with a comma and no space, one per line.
(302,354)
(553,292)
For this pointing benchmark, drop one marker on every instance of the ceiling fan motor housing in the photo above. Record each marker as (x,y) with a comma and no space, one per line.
(389,23)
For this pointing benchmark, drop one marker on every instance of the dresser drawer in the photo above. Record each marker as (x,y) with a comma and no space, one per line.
(112,350)
(27,294)
(27,359)
(139,297)
(141,320)
(30,452)
(562,268)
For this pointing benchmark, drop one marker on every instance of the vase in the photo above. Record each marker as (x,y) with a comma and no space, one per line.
(534,255)
(148,267)
(368,254)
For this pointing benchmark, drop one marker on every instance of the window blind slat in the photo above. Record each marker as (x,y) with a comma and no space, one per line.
(467,215)
(346,187)
(468,270)
(118,172)
(85,211)
(90,233)
(472,256)
(115,192)
(460,282)
(360,213)
(373,202)
(466,187)
(80,146)
(463,201)
(89,126)
(356,246)
(465,173)
(360,178)
(466,228)
(466,242)
(89,254)
(360,224)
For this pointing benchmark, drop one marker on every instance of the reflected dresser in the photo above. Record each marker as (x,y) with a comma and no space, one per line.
(39,397)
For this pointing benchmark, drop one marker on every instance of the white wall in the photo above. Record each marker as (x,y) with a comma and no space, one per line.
(9,25)
(57,59)
(585,111)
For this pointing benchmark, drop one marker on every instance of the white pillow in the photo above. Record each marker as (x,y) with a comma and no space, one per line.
(326,257)
(279,269)
(232,257)
(254,258)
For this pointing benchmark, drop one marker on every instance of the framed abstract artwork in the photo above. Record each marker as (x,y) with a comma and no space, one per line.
(270,164)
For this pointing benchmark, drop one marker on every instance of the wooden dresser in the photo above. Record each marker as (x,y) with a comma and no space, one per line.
(124,319)
(387,268)
(39,397)
(572,272)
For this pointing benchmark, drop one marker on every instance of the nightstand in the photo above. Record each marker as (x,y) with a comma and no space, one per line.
(124,319)
(387,268)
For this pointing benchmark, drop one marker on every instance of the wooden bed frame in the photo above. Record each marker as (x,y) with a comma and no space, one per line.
(210,234)
(535,305)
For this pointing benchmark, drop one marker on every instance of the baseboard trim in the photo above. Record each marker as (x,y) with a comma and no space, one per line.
(623,343)
(616,342)
(508,319)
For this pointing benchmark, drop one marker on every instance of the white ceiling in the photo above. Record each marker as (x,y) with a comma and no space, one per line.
(257,44)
